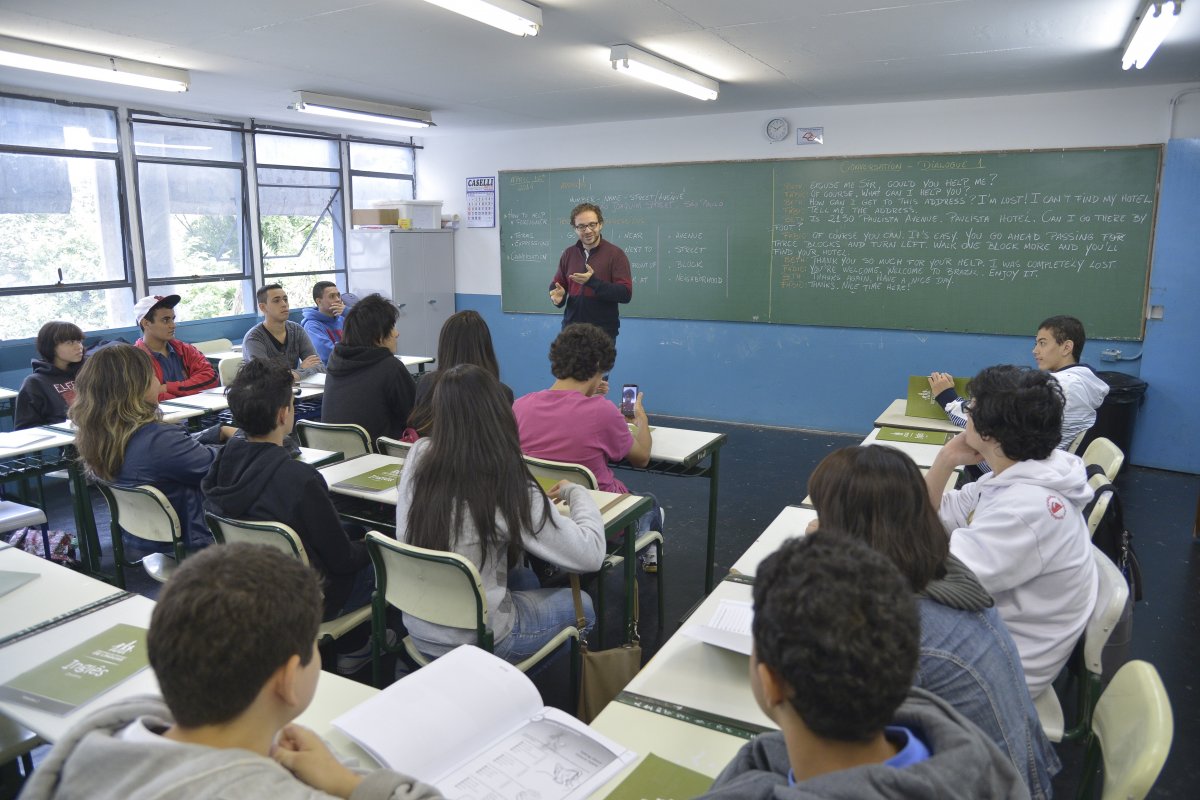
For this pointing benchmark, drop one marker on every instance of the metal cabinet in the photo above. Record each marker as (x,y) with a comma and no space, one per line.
(415,269)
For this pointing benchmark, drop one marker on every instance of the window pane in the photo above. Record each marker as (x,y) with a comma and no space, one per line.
(381,158)
(210,299)
(298,177)
(369,191)
(296,151)
(174,141)
(92,310)
(191,220)
(299,287)
(35,123)
(59,214)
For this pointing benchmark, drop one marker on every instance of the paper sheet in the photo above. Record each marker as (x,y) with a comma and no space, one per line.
(729,627)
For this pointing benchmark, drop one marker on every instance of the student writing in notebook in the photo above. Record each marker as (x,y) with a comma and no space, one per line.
(877,495)
(836,636)
(465,488)
(233,644)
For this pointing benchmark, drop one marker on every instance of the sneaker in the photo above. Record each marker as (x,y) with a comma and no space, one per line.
(650,560)
(352,662)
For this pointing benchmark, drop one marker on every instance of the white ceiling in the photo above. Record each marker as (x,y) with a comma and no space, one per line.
(248,57)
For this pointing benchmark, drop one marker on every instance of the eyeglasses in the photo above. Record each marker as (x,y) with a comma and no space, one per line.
(587,226)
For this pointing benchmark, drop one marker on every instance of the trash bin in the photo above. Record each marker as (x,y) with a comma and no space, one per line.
(1115,417)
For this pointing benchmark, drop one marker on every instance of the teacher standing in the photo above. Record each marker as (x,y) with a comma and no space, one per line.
(593,275)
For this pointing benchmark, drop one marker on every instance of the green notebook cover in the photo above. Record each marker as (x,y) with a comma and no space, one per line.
(86,671)
(887,434)
(658,779)
(379,479)
(921,401)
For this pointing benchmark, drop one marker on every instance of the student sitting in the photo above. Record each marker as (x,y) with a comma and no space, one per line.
(121,438)
(256,479)
(46,394)
(1056,349)
(232,643)
(466,489)
(179,367)
(835,645)
(573,422)
(323,322)
(1020,529)
(464,339)
(367,384)
(877,495)
(278,339)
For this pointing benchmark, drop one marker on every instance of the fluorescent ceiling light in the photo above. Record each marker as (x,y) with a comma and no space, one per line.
(641,64)
(515,16)
(24,54)
(328,105)
(1157,18)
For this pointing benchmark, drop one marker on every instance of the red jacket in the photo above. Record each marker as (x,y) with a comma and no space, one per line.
(200,374)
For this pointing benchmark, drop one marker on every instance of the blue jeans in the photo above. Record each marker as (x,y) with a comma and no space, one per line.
(540,615)
(360,592)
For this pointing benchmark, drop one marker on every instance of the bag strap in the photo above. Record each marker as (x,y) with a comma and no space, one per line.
(580,617)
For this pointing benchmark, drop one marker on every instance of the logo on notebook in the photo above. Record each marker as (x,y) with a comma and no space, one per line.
(1056,507)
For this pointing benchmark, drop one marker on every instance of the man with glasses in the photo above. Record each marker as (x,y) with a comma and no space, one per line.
(593,275)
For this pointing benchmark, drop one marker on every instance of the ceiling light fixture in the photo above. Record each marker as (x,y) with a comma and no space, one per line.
(514,16)
(653,69)
(1157,18)
(24,54)
(328,105)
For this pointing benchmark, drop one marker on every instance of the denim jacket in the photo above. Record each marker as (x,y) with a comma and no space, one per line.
(969,660)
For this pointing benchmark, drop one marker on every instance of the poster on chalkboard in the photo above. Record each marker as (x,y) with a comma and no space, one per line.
(987,242)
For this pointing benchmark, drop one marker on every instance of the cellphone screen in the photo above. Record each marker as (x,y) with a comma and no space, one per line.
(629,393)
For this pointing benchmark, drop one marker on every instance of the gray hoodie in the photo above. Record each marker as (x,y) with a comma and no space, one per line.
(96,761)
(962,763)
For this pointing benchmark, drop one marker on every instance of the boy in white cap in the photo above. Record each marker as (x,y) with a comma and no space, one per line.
(180,368)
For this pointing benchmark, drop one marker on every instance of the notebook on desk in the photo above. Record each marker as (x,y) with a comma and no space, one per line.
(921,402)
(379,479)
(11,440)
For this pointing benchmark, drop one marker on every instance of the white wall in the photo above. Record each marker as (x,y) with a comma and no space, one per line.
(1142,115)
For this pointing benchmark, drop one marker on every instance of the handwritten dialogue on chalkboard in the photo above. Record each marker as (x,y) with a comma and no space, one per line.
(964,242)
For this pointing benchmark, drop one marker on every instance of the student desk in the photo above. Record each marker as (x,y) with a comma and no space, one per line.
(679,452)
(691,745)
(894,417)
(707,682)
(8,399)
(792,521)
(59,590)
(618,511)
(420,362)
(922,454)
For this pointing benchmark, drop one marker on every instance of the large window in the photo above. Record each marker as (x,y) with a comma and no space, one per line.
(380,174)
(62,239)
(300,212)
(192,208)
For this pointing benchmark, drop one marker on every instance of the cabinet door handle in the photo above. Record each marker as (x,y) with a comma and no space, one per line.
(431,302)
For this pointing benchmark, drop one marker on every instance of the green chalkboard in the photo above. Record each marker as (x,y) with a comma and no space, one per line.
(979,242)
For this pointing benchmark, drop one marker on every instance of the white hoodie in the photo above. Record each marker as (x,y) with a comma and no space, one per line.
(1084,391)
(1023,534)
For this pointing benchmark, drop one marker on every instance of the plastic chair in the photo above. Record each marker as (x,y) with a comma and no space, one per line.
(213,346)
(1106,455)
(443,588)
(16,744)
(1073,447)
(350,439)
(549,472)
(1093,520)
(1085,664)
(146,513)
(227,369)
(286,540)
(393,447)
(1132,729)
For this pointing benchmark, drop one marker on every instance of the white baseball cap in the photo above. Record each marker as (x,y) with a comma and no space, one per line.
(147,304)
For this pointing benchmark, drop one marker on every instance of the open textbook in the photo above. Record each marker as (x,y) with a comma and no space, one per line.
(474,726)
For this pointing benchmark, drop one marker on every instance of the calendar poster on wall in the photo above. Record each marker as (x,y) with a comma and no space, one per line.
(481,202)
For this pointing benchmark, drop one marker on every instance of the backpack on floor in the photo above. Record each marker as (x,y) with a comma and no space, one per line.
(1111,536)
(62,545)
